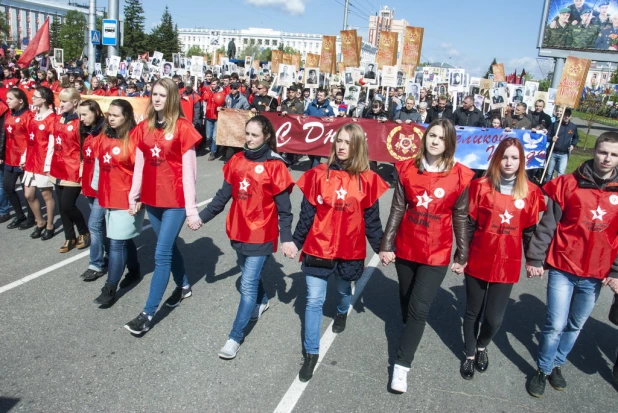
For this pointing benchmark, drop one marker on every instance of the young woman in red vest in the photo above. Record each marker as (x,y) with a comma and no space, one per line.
(339,210)
(91,121)
(65,171)
(503,212)
(430,201)
(16,134)
(164,180)
(95,87)
(259,184)
(52,80)
(115,154)
(38,161)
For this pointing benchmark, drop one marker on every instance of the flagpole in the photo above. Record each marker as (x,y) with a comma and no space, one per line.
(547,159)
(91,27)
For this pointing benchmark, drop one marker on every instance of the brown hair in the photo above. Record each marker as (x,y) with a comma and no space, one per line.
(20,95)
(122,132)
(358,160)
(520,188)
(611,137)
(172,109)
(268,130)
(450,144)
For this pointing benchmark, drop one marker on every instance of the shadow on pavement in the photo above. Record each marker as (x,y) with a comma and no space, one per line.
(7,403)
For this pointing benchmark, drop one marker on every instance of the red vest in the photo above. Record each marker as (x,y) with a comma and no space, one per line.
(425,234)
(162,174)
(66,158)
(253,216)
(16,128)
(338,229)
(115,172)
(38,143)
(89,154)
(188,104)
(586,239)
(496,249)
(98,92)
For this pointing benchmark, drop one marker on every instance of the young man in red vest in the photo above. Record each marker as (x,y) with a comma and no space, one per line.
(577,239)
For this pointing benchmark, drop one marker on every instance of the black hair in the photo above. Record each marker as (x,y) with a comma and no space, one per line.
(47,94)
(267,130)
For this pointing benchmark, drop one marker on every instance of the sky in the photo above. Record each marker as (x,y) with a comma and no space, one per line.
(465,34)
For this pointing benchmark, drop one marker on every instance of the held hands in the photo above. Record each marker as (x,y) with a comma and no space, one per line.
(194,222)
(534,271)
(289,249)
(613,284)
(135,208)
(458,268)
(387,257)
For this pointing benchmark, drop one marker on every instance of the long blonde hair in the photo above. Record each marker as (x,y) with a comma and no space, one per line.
(520,188)
(358,159)
(450,144)
(172,109)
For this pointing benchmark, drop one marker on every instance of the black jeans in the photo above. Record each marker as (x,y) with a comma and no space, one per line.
(69,213)
(11,175)
(487,302)
(418,286)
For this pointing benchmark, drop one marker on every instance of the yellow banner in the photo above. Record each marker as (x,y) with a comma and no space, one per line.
(387,51)
(286,59)
(296,60)
(349,48)
(498,70)
(312,60)
(276,60)
(328,57)
(572,82)
(412,45)
(140,105)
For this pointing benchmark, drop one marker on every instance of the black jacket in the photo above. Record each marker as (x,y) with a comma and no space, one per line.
(540,120)
(369,114)
(349,270)
(567,136)
(469,118)
(2,138)
(433,113)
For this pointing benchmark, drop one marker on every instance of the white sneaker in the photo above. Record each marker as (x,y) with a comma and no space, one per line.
(258,310)
(230,349)
(400,379)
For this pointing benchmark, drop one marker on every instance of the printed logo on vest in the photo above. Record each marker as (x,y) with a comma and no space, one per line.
(41,127)
(598,213)
(116,150)
(70,128)
(320,199)
(169,136)
(520,204)
(424,200)
(613,199)
(17,120)
(439,193)
(259,169)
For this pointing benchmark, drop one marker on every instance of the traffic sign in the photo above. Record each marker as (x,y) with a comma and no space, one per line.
(110,32)
(95,37)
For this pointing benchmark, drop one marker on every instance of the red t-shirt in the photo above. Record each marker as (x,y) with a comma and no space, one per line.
(39,132)
(16,135)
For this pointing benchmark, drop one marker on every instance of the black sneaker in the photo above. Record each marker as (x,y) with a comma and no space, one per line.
(130,278)
(107,297)
(139,325)
(91,275)
(339,324)
(536,384)
(4,218)
(556,379)
(306,371)
(177,296)
(481,360)
(467,369)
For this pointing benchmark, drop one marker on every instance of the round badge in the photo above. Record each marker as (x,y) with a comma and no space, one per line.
(169,136)
(17,120)
(70,128)
(41,127)
(116,150)
(613,199)
(520,204)
(259,169)
(320,200)
(439,193)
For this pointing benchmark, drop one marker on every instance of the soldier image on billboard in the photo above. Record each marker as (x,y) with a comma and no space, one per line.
(604,41)
(576,11)
(558,33)
(584,34)
(603,19)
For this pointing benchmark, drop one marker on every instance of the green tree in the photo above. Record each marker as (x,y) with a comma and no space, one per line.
(290,50)
(250,50)
(71,35)
(164,37)
(54,32)
(135,39)
(614,78)
(195,51)
(544,85)
(4,27)
(490,71)
(592,107)
(266,55)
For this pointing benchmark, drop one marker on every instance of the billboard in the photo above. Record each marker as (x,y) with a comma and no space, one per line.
(581,28)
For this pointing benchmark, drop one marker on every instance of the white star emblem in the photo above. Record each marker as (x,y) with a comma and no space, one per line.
(424,200)
(155,151)
(106,158)
(31,136)
(88,152)
(244,184)
(341,193)
(10,129)
(598,213)
(506,217)
(58,141)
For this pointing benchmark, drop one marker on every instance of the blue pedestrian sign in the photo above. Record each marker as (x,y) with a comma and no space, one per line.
(110,32)
(95,37)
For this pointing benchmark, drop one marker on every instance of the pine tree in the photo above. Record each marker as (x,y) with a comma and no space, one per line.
(135,39)
(490,71)
(164,37)
(71,35)
(54,32)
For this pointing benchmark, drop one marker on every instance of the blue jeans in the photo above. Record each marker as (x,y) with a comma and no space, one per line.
(121,253)
(4,202)
(166,223)
(558,160)
(316,294)
(570,300)
(99,244)
(211,134)
(251,292)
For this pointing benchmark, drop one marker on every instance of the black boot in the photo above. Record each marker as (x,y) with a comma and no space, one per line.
(467,369)
(107,297)
(339,324)
(306,371)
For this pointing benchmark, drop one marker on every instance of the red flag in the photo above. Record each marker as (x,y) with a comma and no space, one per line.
(39,44)
(521,78)
(144,56)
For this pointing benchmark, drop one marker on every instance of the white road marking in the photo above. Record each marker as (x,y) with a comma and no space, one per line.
(291,397)
(64,263)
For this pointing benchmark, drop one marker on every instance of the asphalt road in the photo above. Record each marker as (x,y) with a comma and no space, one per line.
(61,353)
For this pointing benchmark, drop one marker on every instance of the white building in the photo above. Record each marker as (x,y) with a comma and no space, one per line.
(211,39)
(385,20)
(25,17)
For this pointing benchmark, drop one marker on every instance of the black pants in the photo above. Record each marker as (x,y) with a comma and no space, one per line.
(418,286)
(486,301)
(69,213)
(11,175)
